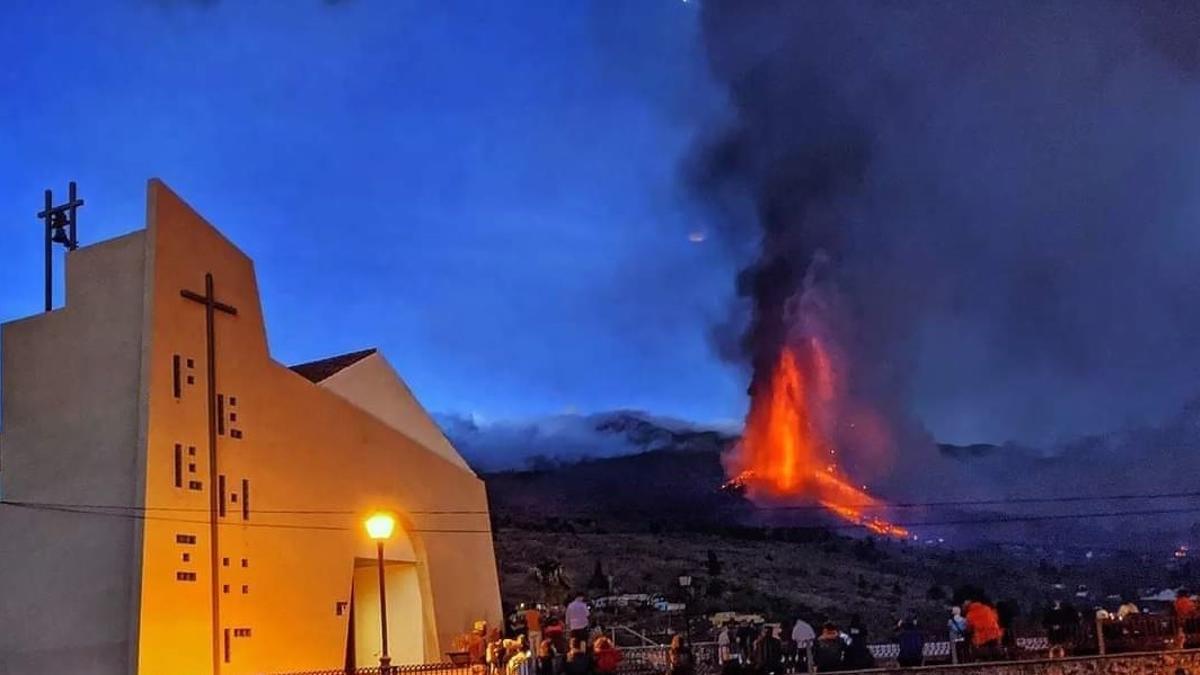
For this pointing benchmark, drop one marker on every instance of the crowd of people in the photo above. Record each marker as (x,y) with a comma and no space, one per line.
(553,648)
(745,650)
(977,630)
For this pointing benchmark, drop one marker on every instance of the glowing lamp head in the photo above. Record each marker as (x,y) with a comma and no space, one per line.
(380,526)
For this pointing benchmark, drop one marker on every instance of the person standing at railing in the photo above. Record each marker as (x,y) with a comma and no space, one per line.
(1061,622)
(605,655)
(547,659)
(803,636)
(556,633)
(578,662)
(495,652)
(828,649)
(533,626)
(956,626)
(1128,608)
(744,638)
(477,644)
(983,624)
(1185,616)
(912,645)
(680,659)
(521,660)
(724,644)
(767,657)
(578,618)
(1007,611)
(858,656)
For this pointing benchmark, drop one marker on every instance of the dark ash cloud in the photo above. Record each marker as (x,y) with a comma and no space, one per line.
(1003,196)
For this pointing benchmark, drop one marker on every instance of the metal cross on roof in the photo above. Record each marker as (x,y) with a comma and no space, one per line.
(60,229)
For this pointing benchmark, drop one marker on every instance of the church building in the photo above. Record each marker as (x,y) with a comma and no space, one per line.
(176,502)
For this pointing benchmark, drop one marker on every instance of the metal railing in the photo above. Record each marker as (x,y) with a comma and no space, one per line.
(643,640)
(1138,633)
(654,659)
(412,669)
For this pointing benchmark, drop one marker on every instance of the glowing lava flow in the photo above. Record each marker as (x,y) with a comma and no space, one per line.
(783,456)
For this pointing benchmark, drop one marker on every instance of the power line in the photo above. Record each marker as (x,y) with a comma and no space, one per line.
(283,526)
(796,507)
(998,520)
(182,509)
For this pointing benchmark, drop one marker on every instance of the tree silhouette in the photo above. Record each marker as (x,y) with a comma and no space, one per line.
(553,580)
(713,565)
(598,582)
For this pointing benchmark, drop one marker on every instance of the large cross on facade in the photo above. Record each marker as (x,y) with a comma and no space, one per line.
(211,307)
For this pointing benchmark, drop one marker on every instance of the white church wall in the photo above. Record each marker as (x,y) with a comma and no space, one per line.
(70,436)
(373,385)
(315,463)
(105,402)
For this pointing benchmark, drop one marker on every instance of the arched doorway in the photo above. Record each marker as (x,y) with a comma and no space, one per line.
(406,607)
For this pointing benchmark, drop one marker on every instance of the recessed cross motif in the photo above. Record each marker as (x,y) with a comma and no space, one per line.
(211,307)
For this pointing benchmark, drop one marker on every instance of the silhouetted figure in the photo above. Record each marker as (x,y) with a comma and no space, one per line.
(547,661)
(578,662)
(1061,622)
(745,641)
(912,645)
(829,649)
(1007,611)
(680,660)
(768,653)
(858,656)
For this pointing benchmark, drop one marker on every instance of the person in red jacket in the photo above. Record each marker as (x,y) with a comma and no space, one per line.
(1185,616)
(605,655)
(983,624)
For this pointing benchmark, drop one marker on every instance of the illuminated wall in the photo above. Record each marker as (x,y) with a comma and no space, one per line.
(244,564)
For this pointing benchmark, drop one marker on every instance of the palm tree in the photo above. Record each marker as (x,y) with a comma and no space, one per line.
(553,580)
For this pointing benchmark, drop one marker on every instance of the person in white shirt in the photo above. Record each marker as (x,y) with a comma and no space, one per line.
(578,616)
(803,634)
(724,640)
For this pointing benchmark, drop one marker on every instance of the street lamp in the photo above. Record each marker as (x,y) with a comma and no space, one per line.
(380,527)
(685,582)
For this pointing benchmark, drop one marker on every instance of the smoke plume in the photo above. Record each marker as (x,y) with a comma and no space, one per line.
(989,208)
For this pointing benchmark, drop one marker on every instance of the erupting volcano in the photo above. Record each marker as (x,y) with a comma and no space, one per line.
(786,455)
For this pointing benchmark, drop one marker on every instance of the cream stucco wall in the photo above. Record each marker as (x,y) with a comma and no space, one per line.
(70,435)
(314,461)
(373,385)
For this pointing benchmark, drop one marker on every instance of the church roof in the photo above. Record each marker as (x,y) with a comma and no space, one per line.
(316,371)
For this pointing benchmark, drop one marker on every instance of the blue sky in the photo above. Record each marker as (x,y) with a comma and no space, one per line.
(487,191)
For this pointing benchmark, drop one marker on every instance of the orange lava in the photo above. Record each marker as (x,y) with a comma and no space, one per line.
(783,455)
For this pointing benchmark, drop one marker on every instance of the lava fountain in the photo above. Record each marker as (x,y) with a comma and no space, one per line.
(786,455)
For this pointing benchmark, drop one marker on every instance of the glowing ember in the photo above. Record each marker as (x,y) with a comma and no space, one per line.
(785,458)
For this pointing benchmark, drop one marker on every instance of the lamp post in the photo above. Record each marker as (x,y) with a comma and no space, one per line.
(379,527)
(685,582)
